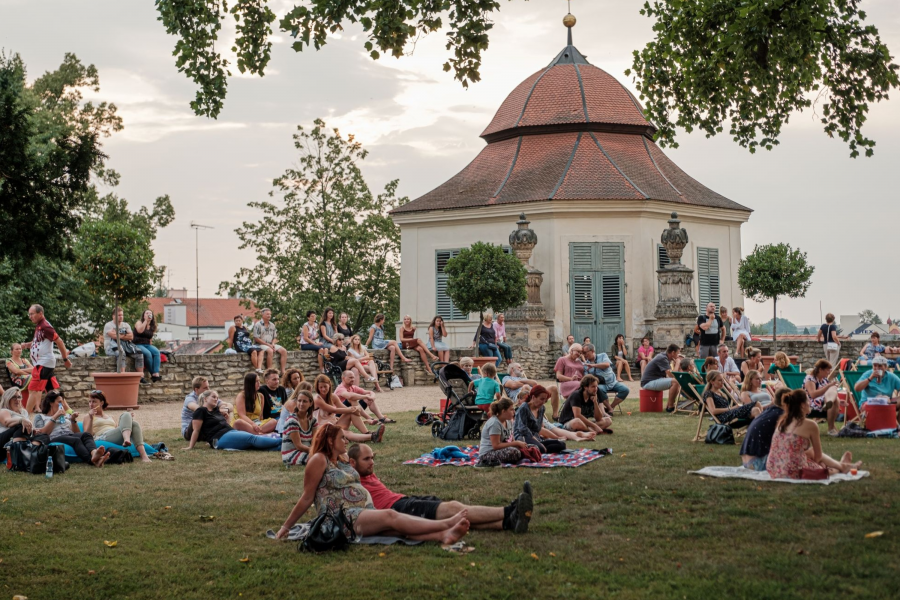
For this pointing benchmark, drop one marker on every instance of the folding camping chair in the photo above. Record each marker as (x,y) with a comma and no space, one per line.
(849,379)
(792,381)
(739,427)
(691,391)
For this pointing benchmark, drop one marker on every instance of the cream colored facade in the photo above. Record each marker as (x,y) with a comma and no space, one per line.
(637,225)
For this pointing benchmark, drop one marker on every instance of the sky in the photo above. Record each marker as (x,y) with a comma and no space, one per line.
(421,127)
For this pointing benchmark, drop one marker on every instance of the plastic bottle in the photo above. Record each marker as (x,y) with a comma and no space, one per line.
(49,472)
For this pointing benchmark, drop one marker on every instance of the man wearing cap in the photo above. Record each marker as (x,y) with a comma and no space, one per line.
(878,382)
(658,375)
(512,517)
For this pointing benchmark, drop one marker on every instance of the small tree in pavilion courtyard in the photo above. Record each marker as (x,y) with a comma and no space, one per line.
(116,261)
(485,277)
(775,270)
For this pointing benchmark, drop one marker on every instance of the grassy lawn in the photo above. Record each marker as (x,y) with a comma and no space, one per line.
(631,525)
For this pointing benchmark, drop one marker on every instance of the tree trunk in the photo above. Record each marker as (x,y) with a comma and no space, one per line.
(478,332)
(775,324)
(120,355)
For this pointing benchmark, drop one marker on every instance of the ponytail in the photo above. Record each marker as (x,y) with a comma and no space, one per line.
(792,402)
(498,406)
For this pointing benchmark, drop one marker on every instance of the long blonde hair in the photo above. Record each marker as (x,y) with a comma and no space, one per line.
(750,378)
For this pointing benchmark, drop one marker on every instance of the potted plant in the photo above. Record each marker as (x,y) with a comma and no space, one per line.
(116,261)
(484,277)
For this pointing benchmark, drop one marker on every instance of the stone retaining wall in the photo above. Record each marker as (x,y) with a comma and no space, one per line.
(226,372)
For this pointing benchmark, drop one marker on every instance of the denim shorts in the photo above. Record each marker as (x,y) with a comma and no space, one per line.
(757,463)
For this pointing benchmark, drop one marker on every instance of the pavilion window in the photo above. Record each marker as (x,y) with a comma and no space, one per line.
(708,276)
(662,261)
(444,304)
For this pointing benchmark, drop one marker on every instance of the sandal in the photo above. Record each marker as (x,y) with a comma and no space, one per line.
(387,420)
(163,455)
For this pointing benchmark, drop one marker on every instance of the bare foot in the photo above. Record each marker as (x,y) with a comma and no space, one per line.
(455,533)
(847,457)
(99,457)
(126,443)
(459,517)
(146,459)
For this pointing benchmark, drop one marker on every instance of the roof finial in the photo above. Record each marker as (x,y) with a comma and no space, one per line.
(569,21)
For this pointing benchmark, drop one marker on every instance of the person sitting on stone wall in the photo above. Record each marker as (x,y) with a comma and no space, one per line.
(486,339)
(500,335)
(873,348)
(378,341)
(310,340)
(265,334)
(600,366)
(240,341)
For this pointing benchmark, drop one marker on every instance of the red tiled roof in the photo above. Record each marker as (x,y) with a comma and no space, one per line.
(214,312)
(569,132)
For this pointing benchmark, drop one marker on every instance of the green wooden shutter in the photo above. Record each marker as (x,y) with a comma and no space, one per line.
(708,276)
(662,257)
(444,304)
(581,269)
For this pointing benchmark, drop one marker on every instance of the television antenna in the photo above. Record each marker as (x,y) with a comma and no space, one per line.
(197,227)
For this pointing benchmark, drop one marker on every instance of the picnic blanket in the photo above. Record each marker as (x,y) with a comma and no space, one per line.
(742,473)
(569,459)
(299,532)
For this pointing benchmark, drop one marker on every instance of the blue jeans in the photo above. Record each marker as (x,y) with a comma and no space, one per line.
(151,357)
(505,350)
(241,440)
(483,350)
(619,389)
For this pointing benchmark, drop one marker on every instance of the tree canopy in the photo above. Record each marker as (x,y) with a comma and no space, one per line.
(773,271)
(870,316)
(328,241)
(753,63)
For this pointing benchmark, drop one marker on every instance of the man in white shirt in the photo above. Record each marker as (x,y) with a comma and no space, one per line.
(726,364)
(266,335)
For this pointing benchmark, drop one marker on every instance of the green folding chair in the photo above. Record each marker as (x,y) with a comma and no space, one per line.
(698,363)
(691,393)
(793,381)
(850,379)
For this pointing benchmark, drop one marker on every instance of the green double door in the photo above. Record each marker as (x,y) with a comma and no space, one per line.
(597,292)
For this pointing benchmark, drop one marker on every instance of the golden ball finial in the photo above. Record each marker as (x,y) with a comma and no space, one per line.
(569,20)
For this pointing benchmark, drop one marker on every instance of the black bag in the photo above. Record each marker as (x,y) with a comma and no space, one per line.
(461,423)
(24,456)
(719,434)
(328,531)
(117,457)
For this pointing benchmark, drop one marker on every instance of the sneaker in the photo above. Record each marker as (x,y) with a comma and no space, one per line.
(378,435)
(833,433)
(524,508)
(670,409)
(371,379)
(156,378)
(481,465)
(526,487)
(144,381)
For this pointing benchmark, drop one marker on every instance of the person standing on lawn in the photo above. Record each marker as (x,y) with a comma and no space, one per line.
(515,516)
(712,331)
(42,357)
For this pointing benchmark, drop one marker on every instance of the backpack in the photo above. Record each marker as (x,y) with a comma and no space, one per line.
(23,456)
(328,531)
(461,423)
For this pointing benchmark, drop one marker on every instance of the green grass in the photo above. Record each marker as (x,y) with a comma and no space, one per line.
(631,525)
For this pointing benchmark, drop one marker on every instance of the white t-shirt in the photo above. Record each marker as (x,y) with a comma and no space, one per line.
(42,345)
(109,343)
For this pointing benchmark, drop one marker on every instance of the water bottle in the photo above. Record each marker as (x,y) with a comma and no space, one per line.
(49,472)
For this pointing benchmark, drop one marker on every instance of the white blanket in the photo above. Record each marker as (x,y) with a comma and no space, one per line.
(742,473)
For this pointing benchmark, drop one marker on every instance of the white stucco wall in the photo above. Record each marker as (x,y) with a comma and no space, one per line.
(637,225)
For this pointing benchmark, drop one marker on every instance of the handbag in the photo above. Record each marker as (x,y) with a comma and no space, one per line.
(30,458)
(328,531)
(532,453)
(814,474)
(396,383)
(720,434)
(128,347)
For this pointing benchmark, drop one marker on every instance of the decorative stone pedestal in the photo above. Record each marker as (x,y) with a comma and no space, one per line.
(676,311)
(526,325)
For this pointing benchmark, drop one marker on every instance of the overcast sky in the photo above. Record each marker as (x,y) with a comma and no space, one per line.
(422,127)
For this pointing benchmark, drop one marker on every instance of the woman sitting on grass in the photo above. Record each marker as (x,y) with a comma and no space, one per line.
(104,427)
(299,428)
(782,364)
(14,423)
(250,406)
(718,402)
(495,449)
(211,426)
(333,485)
(487,387)
(752,390)
(330,410)
(796,444)
(361,353)
(529,422)
(51,425)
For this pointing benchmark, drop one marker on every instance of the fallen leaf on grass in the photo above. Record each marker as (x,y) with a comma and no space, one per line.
(167,507)
(802,551)
(535,556)
(623,455)
(5,499)
(628,413)
(552,554)
(702,477)
(621,560)
(875,534)
(207,517)
(246,559)
(20,597)
(111,544)
(471,564)
(38,523)
(282,492)
(382,554)
(92,572)
(678,565)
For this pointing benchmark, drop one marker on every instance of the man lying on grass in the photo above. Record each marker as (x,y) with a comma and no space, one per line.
(512,517)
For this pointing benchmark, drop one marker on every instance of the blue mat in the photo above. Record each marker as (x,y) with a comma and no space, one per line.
(73,458)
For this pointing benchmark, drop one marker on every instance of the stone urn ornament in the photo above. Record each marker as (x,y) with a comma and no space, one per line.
(675,238)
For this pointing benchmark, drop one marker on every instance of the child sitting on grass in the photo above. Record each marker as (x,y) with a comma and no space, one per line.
(488,388)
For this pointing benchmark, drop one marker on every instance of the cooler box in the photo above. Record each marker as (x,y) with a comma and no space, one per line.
(651,401)
(443,404)
(848,406)
(880,416)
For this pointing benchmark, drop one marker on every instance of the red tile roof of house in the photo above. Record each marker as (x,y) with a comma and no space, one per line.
(214,312)
(569,132)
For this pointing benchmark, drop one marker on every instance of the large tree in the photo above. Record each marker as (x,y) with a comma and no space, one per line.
(753,63)
(52,169)
(749,63)
(870,317)
(328,241)
(773,271)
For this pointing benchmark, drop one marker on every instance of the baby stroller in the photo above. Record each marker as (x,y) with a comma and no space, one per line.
(460,418)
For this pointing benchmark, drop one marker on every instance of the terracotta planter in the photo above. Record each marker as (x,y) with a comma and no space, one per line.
(120,389)
(480,361)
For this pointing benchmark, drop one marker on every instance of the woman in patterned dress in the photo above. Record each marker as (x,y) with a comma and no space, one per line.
(796,444)
(822,394)
(718,401)
(332,484)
